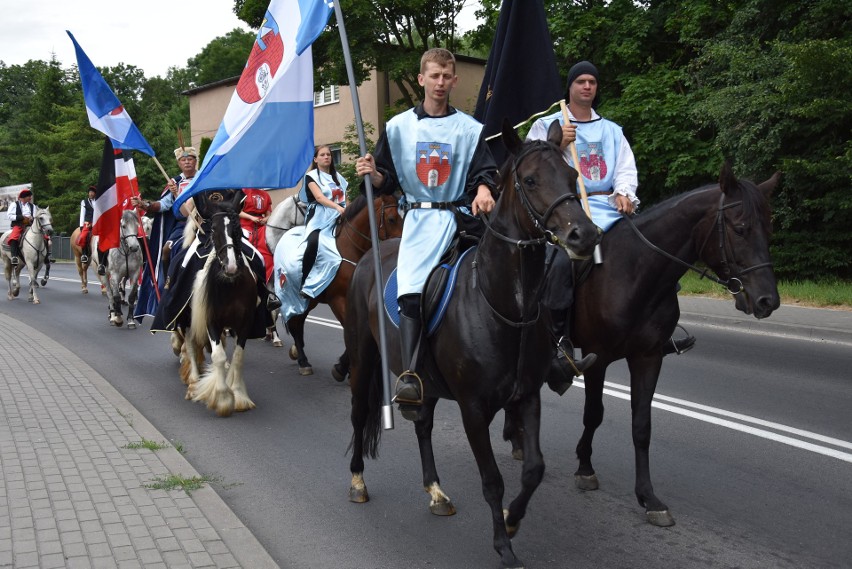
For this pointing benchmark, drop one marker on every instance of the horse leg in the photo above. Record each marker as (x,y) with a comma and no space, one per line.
(46,274)
(296,328)
(213,386)
(236,382)
(83,271)
(441,505)
(513,431)
(476,423)
(272,331)
(644,374)
(341,369)
(585,477)
(131,304)
(365,416)
(533,470)
(115,308)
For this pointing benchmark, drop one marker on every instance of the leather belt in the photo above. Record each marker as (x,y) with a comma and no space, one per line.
(603,193)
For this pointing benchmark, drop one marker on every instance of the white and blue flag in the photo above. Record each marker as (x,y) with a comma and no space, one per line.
(105,111)
(266,139)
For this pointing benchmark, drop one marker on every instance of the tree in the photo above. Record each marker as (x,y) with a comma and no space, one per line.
(222,58)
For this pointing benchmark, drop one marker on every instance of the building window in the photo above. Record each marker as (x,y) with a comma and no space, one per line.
(336,154)
(329,94)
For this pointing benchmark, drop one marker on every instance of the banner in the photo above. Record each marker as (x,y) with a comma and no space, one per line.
(116,184)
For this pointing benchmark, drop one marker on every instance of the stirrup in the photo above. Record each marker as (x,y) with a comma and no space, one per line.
(681,345)
(84,259)
(15,261)
(102,270)
(400,395)
(272,303)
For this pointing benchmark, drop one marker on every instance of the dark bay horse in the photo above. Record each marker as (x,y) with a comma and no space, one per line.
(353,240)
(494,345)
(224,297)
(627,308)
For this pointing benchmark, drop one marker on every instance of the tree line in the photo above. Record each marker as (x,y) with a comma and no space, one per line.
(764,83)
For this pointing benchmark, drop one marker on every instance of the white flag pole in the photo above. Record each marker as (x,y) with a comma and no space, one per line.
(387,409)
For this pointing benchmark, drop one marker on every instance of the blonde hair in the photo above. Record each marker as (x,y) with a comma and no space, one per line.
(437,55)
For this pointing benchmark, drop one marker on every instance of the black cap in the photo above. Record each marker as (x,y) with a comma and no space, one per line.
(582,68)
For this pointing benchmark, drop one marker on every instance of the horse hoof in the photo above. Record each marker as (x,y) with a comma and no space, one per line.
(294,352)
(306,371)
(85,291)
(43,282)
(358,495)
(337,374)
(518,453)
(661,519)
(131,326)
(277,343)
(586,482)
(442,508)
(511,531)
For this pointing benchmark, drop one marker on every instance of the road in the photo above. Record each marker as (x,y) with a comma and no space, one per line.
(752,451)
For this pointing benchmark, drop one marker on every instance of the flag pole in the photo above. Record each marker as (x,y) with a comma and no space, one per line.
(584,197)
(387,409)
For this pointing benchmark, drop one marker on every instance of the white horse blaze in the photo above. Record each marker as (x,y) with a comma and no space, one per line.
(231,267)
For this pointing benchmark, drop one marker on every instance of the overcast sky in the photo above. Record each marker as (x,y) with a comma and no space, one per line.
(150,34)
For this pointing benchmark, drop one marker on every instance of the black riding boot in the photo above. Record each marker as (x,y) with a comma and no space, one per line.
(310,256)
(84,254)
(15,248)
(409,387)
(102,262)
(272,301)
(49,259)
(563,368)
(680,345)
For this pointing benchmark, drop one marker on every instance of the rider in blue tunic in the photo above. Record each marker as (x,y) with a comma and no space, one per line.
(437,157)
(324,190)
(609,173)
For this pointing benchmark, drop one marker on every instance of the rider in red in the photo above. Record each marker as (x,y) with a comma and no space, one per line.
(21,213)
(87,213)
(257,206)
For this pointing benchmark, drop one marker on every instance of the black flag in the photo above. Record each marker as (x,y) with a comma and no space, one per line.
(521,78)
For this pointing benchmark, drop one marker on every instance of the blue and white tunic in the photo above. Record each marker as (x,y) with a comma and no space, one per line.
(432,158)
(606,163)
(320,216)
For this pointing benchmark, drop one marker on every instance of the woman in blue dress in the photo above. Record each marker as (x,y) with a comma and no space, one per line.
(325,192)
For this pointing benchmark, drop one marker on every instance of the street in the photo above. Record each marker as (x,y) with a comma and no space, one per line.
(751,450)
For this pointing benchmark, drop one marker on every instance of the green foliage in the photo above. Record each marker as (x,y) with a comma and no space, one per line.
(222,58)
(350,149)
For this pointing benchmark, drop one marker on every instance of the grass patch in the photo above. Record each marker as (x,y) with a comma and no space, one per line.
(821,294)
(176,481)
(146,444)
(178,446)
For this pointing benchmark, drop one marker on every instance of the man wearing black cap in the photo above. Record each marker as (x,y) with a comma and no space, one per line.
(20,213)
(611,179)
(87,214)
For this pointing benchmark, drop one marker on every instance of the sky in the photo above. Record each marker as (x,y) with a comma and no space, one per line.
(153,35)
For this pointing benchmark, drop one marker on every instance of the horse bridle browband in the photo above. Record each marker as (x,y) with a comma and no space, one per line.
(734,283)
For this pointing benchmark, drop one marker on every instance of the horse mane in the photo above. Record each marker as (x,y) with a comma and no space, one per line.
(352,209)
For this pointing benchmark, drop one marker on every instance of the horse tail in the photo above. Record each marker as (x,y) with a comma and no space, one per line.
(200,304)
(371,435)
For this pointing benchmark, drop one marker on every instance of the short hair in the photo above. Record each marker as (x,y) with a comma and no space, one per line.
(437,55)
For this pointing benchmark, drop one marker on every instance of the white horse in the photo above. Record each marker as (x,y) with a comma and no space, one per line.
(286,215)
(33,247)
(125,264)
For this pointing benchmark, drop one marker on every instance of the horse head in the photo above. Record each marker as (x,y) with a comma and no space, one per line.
(742,231)
(129,231)
(537,180)
(227,235)
(44,221)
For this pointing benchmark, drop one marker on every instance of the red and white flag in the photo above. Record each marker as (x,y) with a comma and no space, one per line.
(116,185)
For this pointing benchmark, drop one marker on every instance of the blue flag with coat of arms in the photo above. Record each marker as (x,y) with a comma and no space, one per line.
(266,139)
(105,111)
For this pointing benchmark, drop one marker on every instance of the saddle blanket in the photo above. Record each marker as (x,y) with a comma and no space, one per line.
(287,275)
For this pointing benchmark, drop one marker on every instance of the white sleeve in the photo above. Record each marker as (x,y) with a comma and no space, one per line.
(12,213)
(82,213)
(625,179)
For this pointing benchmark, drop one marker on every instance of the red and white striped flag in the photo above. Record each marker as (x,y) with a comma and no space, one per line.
(116,184)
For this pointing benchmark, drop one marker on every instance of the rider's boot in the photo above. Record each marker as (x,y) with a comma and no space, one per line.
(272,300)
(15,248)
(49,258)
(102,262)
(563,367)
(679,345)
(84,255)
(409,387)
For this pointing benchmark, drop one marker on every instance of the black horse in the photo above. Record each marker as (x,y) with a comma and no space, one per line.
(494,345)
(627,307)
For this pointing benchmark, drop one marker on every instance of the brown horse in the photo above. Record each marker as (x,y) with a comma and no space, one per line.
(83,268)
(353,241)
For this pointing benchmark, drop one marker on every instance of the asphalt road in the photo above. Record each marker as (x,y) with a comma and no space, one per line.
(752,451)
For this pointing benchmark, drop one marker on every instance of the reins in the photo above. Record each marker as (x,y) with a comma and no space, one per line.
(734,284)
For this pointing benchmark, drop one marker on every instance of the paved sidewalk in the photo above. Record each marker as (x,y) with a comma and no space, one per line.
(73,495)
(788,320)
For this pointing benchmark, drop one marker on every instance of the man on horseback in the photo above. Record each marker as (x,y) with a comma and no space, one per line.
(436,156)
(87,214)
(20,213)
(609,172)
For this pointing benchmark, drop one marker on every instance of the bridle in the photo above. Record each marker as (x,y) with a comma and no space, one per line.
(345,225)
(734,282)
(232,216)
(39,228)
(539,220)
(540,223)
